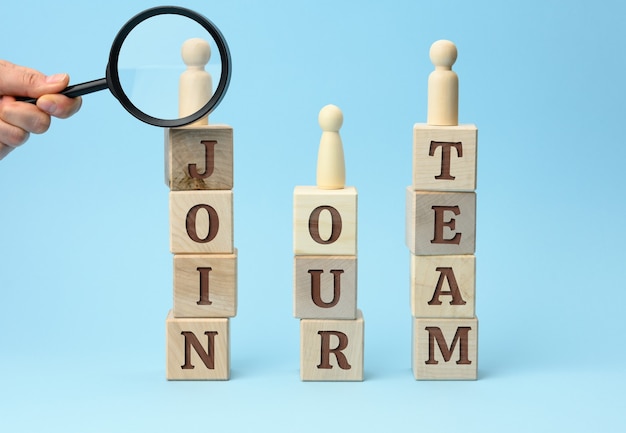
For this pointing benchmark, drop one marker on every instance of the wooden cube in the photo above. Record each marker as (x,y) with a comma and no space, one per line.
(443,286)
(325,221)
(199,157)
(325,287)
(440,223)
(444,157)
(197,349)
(445,349)
(201,222)
(205,285)
(332,350)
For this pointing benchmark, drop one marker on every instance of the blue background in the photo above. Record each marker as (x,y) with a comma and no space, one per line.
(85,268)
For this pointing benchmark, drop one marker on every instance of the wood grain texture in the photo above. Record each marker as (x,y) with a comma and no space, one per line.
(440,223)
(197,349)
(325,287)
(325,221)
(443,286)
(205,285)
(445,349)
(332,350)
(444,157)
(199,158)
(201,222)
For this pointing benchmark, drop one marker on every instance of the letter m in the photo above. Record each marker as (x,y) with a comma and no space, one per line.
(461,337)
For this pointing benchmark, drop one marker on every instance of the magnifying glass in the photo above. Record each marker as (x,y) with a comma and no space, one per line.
(145,66)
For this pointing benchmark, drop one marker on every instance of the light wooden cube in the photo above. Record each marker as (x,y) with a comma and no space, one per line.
(444,157)
(325,287)
(199,157)
(201,222)
(443,286)
(332,350)
(205,285)
(445,349)
(440,223)
(197,349)
(325,221)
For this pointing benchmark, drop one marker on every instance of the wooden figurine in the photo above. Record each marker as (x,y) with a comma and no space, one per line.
(196,84)
(443,86)
(331,169)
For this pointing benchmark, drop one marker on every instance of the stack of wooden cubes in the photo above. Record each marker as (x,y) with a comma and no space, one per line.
(325,266)
(441,228)
(199,172)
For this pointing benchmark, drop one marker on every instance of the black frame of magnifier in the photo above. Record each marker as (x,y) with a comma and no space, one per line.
(113,79)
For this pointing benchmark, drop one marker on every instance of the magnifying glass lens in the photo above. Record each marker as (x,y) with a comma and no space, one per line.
(169,62)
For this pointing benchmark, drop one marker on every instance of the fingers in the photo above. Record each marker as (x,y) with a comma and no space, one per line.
(4,150)
(21,115)
(10,137)
(19,119)
(17,122)
(59,106)
(18,80)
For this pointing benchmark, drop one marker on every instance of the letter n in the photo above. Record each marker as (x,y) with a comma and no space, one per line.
(207,357)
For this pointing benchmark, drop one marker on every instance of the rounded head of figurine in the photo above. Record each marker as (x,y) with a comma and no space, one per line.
(330,118)
(443,53)
(196,52)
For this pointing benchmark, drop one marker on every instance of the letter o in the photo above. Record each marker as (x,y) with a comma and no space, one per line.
(314,225)
(190,223)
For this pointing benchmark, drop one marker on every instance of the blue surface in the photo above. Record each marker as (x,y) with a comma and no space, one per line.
(85,268)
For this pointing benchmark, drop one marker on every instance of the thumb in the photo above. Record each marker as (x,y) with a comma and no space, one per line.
(22,81)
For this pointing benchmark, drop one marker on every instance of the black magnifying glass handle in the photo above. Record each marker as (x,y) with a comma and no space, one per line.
(76,90)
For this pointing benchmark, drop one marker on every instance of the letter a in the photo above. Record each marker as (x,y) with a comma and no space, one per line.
(447,273)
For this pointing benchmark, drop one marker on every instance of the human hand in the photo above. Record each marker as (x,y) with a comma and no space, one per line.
(19,119)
